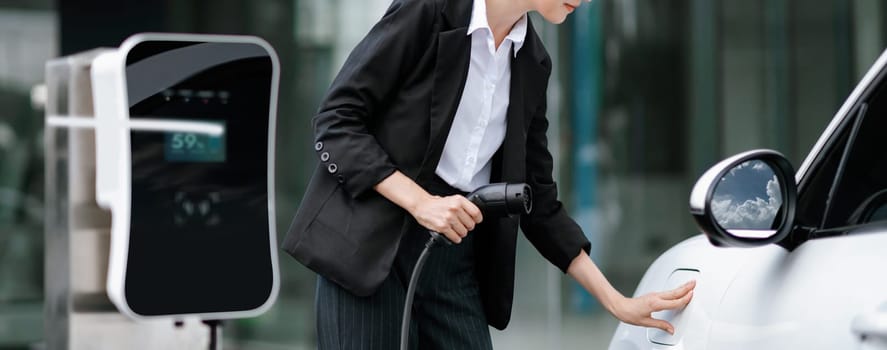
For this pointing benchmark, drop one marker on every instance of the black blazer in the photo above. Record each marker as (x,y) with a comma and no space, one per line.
(390,108)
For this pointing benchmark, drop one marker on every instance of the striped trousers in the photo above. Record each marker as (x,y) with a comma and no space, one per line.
(446,314)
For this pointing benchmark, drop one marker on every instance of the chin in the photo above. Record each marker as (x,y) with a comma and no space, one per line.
(555,18)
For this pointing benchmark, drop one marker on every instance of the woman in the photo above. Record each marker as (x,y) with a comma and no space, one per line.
(440,97)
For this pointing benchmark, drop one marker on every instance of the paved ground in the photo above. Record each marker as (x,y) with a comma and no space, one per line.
(587,333)
(540,320)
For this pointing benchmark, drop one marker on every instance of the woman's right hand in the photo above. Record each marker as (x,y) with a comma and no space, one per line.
(452,216)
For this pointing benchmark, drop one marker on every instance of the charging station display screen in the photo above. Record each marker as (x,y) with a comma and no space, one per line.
(199,228)
(194,147)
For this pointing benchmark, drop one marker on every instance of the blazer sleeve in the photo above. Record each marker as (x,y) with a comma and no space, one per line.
(342,126)
(548,227)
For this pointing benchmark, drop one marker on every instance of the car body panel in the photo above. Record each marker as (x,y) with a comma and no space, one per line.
(767,297)
(717,268)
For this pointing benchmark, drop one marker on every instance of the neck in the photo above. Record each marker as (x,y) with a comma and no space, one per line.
(502,15)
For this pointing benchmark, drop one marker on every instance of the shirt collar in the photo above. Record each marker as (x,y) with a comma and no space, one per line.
(479,21)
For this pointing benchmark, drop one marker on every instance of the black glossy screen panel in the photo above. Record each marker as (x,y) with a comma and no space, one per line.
(199,240)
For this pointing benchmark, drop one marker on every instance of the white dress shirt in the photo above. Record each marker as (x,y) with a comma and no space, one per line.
(479,125)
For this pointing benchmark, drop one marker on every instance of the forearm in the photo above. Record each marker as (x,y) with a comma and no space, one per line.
(636,311)
(403,191)
(584,271)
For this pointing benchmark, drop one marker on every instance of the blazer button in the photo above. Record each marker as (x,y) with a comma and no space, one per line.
(318,146)
(341,179)
(332,168)
(325,156)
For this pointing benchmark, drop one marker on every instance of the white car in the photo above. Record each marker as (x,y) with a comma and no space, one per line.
(786,262)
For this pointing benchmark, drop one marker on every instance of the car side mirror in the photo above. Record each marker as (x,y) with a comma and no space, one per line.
(746,200)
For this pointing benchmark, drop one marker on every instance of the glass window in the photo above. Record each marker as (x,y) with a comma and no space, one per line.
(857,194)
(27,39)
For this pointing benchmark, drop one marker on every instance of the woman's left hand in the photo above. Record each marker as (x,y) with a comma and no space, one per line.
(637,311)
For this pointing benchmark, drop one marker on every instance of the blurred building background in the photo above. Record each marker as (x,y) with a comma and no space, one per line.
(645,96)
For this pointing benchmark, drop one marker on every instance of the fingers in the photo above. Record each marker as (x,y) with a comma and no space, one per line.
(643,306)
(664,304)
(452,236)
(675,298)
(459,218)
(463,215)
(663,325)
(678,292)
(472,210)
(451,228)
(465,220)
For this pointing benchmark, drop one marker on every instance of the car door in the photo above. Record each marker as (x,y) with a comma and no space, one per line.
(804,299)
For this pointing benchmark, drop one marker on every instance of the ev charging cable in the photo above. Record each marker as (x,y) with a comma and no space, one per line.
(493,200)
(436,239)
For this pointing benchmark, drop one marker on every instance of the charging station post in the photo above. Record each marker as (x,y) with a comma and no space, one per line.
(159,170)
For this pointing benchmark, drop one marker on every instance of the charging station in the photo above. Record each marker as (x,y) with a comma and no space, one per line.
(172,180)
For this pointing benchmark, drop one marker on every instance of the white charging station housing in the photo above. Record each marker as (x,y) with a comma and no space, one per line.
(185,127)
